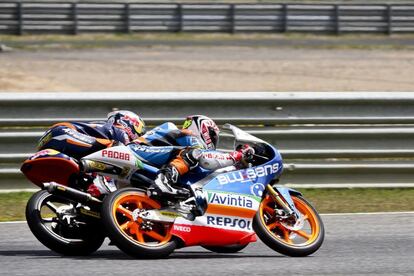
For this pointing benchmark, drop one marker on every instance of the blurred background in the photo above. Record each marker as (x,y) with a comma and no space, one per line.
(329,83)
(206,45)
(77,60)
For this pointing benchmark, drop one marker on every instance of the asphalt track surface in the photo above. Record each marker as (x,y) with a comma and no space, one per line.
(380,244)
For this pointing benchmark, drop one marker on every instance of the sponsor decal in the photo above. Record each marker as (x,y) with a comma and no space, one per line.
(187,123)
(96,165)
(182,228)
(79,136)
(257,189)
(231,200)
(217,156)
(116,155)
(124,172)
(44,153)
(90,213)
(248,174)
(138,164)
(45,139)
(230,222)
(169,214)
(151,149)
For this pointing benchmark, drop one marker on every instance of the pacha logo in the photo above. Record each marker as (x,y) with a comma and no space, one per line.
(116,155)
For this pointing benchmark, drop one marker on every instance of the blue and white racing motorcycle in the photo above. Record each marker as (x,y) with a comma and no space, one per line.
(242,203)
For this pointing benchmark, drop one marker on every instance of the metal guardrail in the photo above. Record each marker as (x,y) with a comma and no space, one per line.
(72,18)
(327,139)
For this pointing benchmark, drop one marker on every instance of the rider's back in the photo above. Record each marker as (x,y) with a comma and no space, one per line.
(78,139)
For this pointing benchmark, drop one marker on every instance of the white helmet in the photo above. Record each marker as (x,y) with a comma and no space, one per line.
(130,122)
(203,128)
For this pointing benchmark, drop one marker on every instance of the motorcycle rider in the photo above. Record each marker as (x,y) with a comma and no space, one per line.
(199,137)
(78,139)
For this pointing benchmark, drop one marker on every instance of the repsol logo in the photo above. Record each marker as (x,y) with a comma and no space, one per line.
(116,155)
(230,222)
(248,174)
(182,228)
(232,200)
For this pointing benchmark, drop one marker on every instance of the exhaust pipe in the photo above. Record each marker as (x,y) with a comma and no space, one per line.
(76,195)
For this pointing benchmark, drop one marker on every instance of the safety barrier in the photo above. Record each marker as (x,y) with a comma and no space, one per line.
(327,139)
(18,17)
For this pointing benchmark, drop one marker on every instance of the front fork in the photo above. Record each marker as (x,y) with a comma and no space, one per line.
(282,197)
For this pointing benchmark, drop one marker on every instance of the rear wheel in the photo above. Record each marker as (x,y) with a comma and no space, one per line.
(55,223)
(136,237)
(234,248)
(292,238)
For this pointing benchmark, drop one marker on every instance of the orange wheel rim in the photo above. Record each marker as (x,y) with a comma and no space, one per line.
(307,235)
(122,212)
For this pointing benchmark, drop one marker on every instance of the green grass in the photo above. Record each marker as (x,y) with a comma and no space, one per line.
(360,200)
(12,205)
(291,40)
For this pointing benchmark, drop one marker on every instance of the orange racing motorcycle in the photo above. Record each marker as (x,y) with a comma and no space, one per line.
(242,204)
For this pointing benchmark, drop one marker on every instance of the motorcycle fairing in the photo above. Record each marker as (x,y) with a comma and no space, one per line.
(49,165)
(286,192)
(234,197)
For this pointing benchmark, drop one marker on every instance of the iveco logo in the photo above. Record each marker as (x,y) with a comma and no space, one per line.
(182,228)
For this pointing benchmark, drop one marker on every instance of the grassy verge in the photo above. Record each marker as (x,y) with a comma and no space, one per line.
(12,205)
(290,40)
(360,200)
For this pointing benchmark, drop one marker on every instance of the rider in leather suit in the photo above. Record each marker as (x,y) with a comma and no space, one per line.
(180,151)
(78,139)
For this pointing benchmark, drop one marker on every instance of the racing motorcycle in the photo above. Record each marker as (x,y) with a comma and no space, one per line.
(241,205)
(64,219)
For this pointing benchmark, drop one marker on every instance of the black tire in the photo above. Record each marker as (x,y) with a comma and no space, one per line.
(234,248)
(275,242)
(122,238)
(83,244)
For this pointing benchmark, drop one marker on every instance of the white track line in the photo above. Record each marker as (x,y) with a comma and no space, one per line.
(368,213)
(6,191)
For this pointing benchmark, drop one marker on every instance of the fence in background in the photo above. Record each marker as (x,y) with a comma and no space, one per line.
(72,18)
(326,139)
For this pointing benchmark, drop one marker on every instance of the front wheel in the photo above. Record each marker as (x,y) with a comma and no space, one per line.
(137,238)
(297,240)
(56,224)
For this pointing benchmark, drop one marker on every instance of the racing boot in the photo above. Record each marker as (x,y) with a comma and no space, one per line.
(194,206)
(161,187)
(101,186)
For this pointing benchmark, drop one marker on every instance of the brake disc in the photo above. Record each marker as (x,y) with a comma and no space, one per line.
(299,223)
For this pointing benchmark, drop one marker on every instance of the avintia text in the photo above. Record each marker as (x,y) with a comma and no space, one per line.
(232,200)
